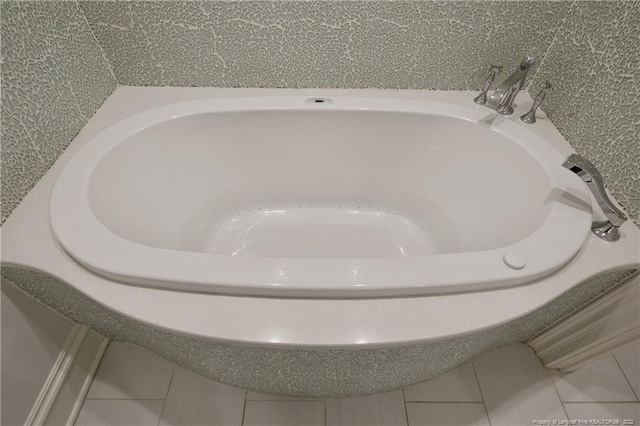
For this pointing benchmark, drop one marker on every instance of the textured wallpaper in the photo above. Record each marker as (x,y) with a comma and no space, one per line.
(594,66)
(54,77)
(339,44)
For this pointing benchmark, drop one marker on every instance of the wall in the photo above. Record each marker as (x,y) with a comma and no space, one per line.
(54,74)
(594,66)
(54,77)
(354,44)
(33,336)
(587,49)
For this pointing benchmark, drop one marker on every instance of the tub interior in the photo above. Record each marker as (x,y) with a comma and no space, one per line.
(320,184)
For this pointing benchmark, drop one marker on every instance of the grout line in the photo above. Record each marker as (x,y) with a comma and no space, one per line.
(244,407)
(484,403)
(446,402)
(406,413)
(553,381)
(288,399)
(95,373)
(603,402)
(160,416)
(77,409)
(324,401)
(625,376)
(553,42)
(173,373)
(164,403)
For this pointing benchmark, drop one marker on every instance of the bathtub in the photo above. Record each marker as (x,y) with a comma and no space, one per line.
(320,197)
(283,339)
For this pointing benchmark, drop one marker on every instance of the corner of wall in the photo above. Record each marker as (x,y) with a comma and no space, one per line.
(102,51)
(54,78)
(592,64)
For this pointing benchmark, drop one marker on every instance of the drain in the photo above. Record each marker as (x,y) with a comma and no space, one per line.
(319,101)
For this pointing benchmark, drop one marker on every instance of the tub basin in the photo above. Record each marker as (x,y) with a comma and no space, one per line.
(349,197)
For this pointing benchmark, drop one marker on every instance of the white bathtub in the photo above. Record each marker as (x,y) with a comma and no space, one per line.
(355,197)
(307,346)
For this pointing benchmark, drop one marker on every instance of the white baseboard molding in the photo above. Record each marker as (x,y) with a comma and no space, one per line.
(604,324)
(62,395)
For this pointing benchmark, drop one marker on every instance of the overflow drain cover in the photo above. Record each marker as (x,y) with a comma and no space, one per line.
(324,101)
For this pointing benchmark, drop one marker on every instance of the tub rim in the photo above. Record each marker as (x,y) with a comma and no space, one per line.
(563,231)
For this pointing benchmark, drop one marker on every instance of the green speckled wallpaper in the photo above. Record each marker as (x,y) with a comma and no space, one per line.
(594,65)
(54,77)
(55,72)
(339,44)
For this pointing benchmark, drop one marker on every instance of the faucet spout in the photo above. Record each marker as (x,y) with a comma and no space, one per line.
(608,229)
(502,99)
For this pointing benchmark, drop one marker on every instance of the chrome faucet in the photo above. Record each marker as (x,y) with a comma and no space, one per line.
(481,99)
(530,117)
(608,229)
(502,99)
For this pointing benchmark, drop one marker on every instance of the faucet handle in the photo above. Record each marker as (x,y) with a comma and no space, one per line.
(530,117)
(481,99)
(608,229)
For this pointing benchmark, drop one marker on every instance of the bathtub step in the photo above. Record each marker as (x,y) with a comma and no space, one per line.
(319,233)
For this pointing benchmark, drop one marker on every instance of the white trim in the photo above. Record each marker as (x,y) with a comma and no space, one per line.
(574,361)
(601,326)
(62,395)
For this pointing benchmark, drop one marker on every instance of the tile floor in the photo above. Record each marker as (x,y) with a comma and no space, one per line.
(507,386)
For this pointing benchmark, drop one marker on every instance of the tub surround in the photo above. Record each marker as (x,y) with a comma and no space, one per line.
(354,44)
(317,372)
(54,77)
(595,101)
(324,348)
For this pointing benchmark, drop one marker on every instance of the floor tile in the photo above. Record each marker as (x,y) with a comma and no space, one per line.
(628,357)
(599,381)
(384,409)
(130,372)
(446,414)
(458,385)
(516,387)
(284,413)
(194,400)
(119,412)
(605,411)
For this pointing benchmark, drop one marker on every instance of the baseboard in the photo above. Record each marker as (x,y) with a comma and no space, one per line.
(62,395)
(577,359)
(604,324)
